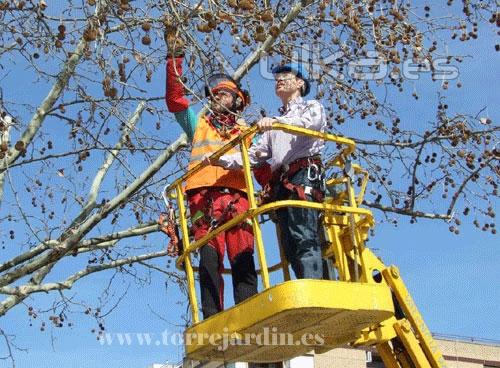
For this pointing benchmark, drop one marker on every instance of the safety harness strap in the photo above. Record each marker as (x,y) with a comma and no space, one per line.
(302,190)
(206,216)
(282,176)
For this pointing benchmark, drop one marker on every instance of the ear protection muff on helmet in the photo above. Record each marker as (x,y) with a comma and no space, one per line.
(241,97)
(239,102)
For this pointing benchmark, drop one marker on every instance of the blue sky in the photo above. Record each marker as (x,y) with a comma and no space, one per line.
(454,279)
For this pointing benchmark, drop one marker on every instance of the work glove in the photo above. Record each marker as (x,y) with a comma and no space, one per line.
(175,44)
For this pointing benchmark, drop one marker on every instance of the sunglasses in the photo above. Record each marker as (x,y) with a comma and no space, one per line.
(284,78)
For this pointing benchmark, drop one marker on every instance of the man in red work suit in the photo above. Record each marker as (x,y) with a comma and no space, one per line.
(215,195)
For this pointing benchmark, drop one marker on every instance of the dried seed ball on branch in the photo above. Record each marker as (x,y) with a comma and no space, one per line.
(113,92)
(146,40)
(90,34)
(246,4)
(259,35)
(274,31)
(19,146)
(146,26)
(121,72)
(204,28)
(267,15)
(124,5)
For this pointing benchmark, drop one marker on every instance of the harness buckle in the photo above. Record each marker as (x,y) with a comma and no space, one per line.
(308,190)
(213,223)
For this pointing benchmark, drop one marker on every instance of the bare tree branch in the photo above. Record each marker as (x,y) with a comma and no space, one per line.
(25,290)
(407,212)
(461,188)
(28,255)
(38,118)
(71,239)
(6,123)
(98,179)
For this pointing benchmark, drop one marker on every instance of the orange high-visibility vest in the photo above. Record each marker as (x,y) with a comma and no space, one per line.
(207,140)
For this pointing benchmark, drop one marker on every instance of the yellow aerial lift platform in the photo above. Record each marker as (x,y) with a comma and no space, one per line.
(365,303)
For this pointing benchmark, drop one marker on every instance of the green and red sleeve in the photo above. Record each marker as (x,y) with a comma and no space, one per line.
(177,103)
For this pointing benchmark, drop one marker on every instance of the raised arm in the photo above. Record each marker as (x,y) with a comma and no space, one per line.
(177,103)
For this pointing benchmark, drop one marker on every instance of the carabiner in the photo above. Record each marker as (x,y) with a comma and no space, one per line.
(317,174)
(164,195)
(170,207)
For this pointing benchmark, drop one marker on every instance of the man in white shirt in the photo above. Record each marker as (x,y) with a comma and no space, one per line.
(296,167)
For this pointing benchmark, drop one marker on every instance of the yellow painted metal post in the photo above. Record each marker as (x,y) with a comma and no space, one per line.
(387,355)
(264,273)
(404,360)
(188,265)
(372,261)
(364,183)
(405,333)
(429,346)
(284,262)
(352,231)
(338,250)
(356,236)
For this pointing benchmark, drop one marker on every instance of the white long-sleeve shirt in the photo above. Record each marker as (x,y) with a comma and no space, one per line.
(282,148)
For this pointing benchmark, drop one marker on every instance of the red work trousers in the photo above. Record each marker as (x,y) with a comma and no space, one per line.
(213,207)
